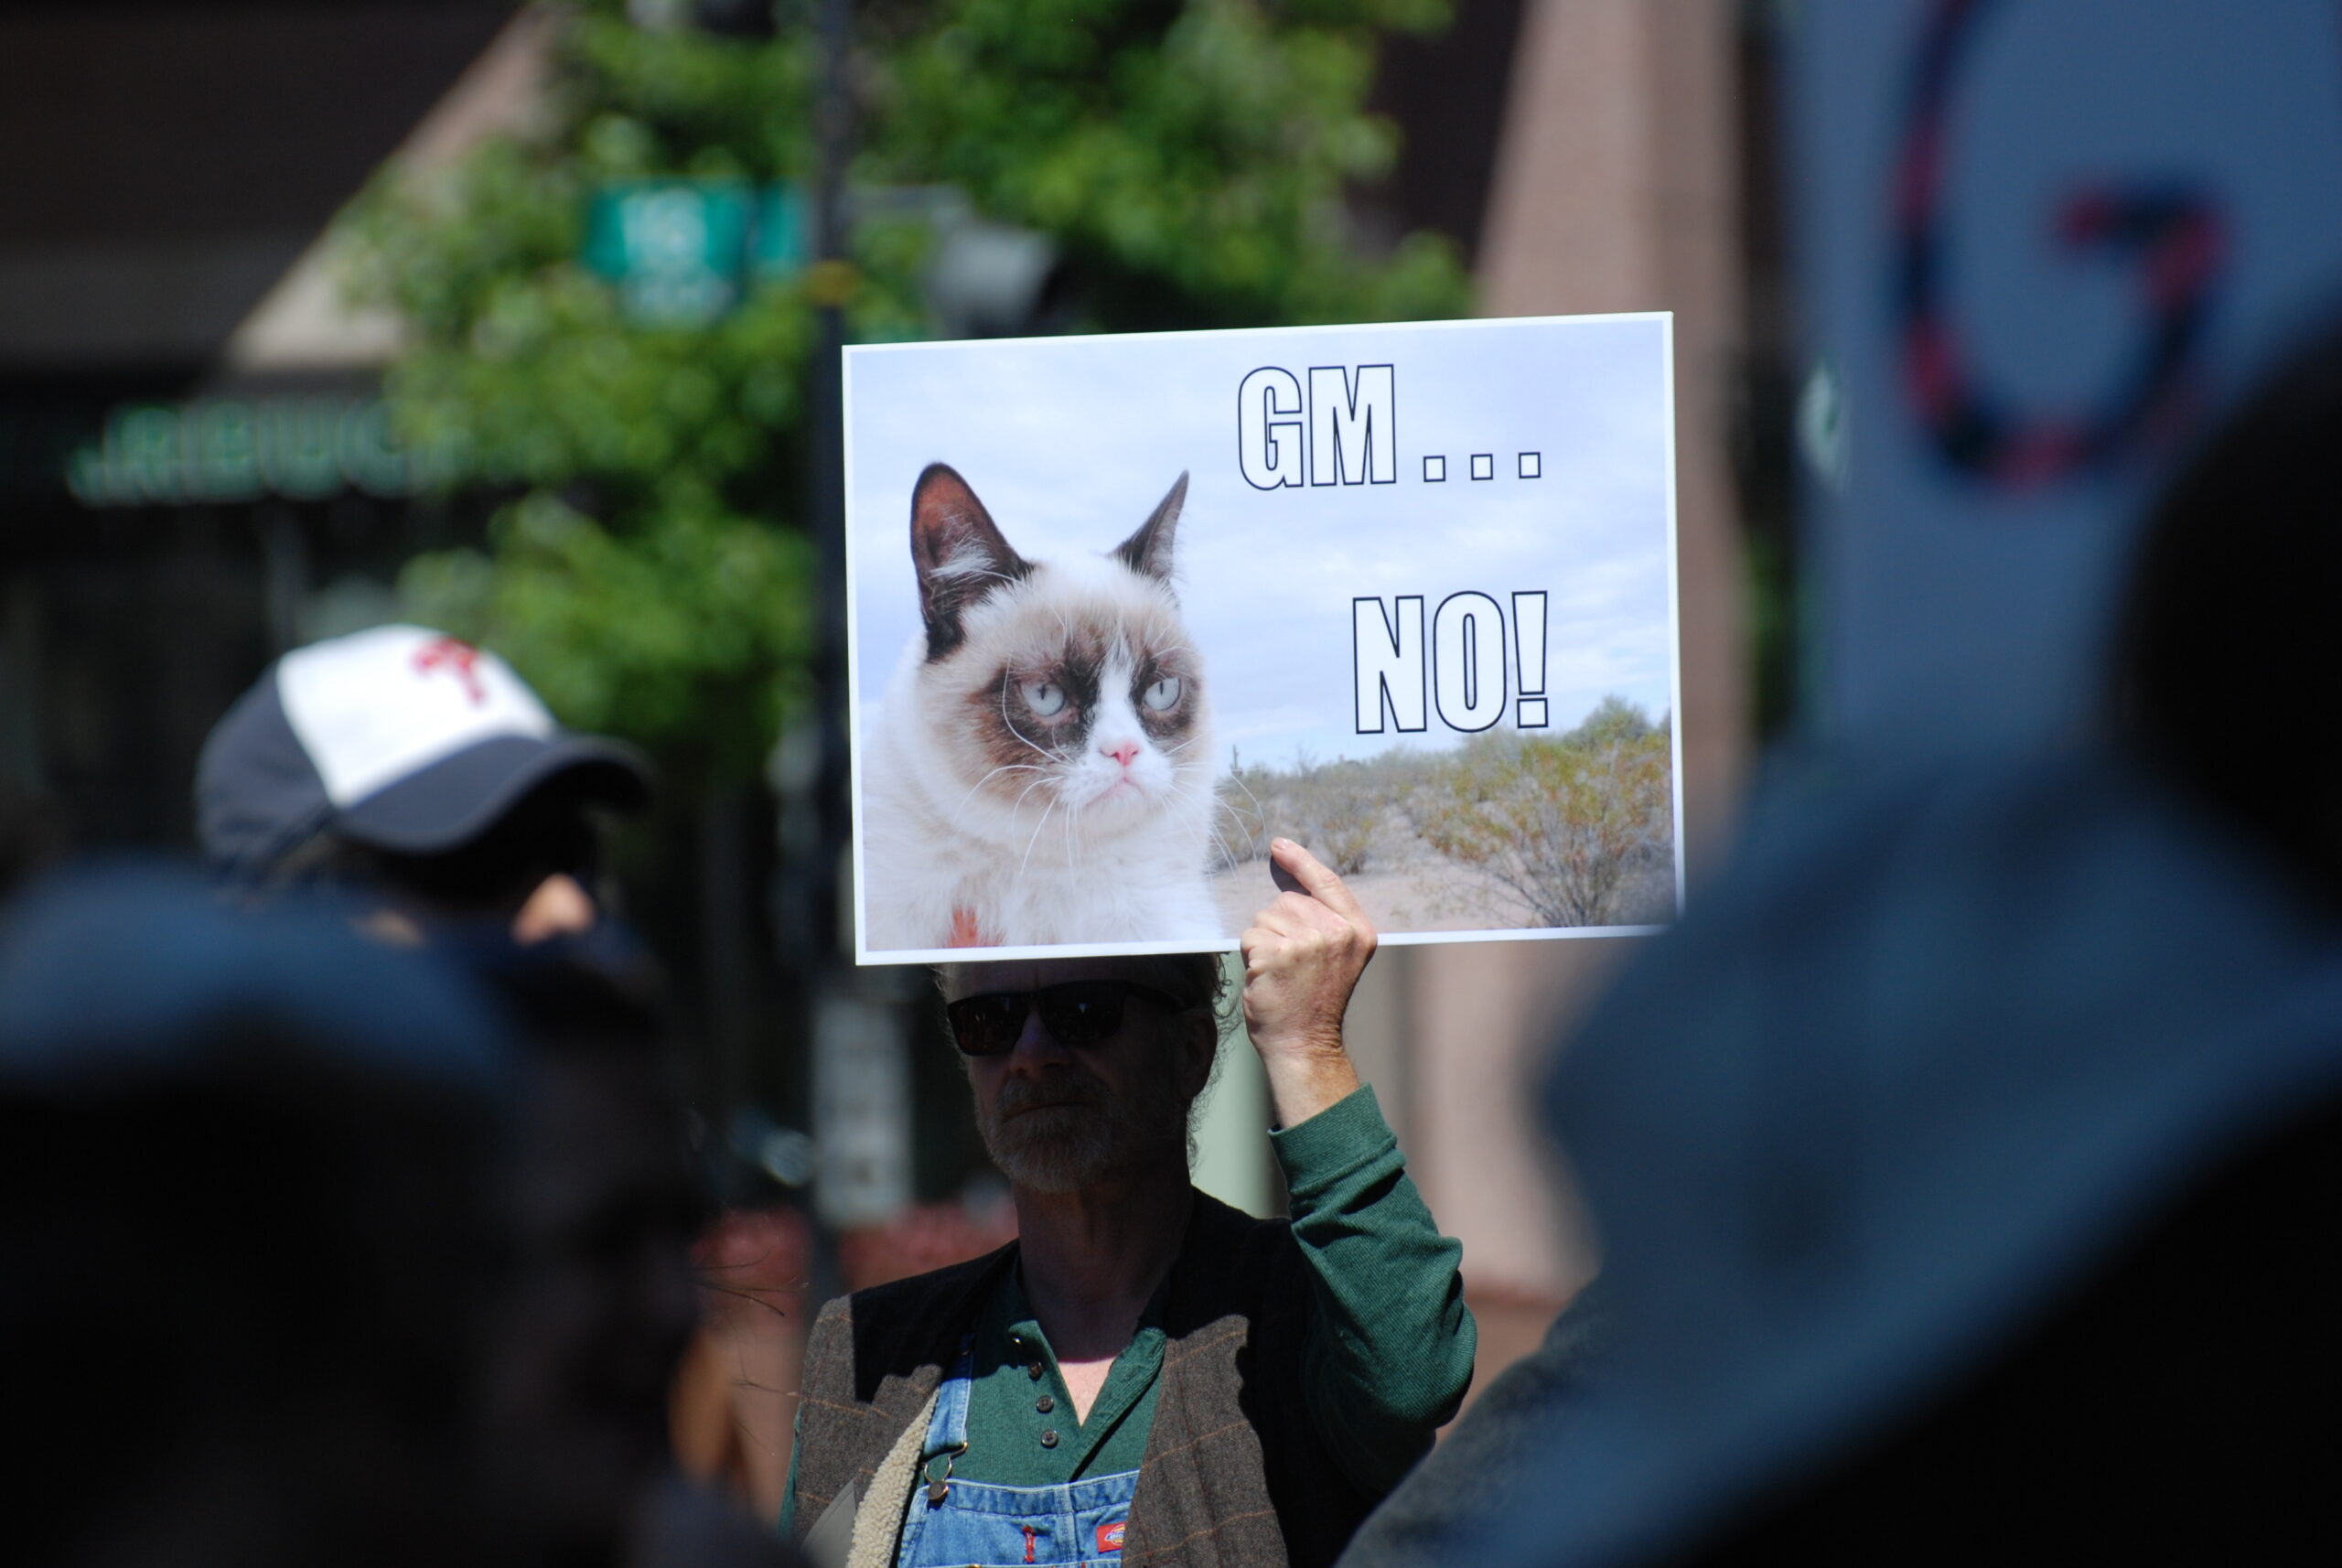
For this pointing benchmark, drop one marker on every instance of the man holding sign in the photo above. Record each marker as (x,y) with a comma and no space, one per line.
(1147,1374)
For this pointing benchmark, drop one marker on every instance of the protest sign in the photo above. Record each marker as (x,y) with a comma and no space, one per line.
(1123,609)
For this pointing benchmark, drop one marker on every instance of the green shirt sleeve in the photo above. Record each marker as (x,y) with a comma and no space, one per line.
(1387,1354)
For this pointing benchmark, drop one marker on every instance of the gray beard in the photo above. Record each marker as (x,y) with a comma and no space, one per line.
(1082,1134)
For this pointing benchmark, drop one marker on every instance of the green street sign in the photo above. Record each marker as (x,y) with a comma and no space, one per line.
(782,244)
(677,249)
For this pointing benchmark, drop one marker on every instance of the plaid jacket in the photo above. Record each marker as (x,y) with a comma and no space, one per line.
(1234,1476)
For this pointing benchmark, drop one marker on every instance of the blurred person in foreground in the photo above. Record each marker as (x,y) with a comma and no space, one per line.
(599,1302)
(1146,1375)
(418,785)
(1969,1161)
(249,1248)
(418,779)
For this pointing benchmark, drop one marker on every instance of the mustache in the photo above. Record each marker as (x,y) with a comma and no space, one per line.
(1020,1094)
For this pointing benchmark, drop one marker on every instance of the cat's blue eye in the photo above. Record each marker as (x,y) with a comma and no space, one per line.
(1164,694)
(1043,697)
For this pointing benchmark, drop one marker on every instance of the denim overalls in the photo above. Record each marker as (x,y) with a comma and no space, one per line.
(974,1524)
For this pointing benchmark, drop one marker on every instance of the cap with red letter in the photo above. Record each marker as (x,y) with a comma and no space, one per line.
(400,738)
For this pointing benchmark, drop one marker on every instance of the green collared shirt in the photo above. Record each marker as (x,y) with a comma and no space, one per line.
(1022,1430)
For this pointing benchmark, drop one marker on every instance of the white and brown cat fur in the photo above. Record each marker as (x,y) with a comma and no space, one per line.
(1042,770)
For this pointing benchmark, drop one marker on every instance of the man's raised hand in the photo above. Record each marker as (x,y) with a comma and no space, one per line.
(1303,956)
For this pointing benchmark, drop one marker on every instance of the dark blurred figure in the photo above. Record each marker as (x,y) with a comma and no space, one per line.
(416,777)
(1488,1457)
(32,836)
(601,1301)
(247,1251)
(2227,663)
(604,1210)
(1969,1162)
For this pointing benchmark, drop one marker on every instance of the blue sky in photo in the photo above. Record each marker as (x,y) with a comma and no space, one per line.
(1071,441)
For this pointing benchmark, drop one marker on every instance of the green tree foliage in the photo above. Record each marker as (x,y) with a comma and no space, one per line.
(1563,824)
(643,571)
(1190,159)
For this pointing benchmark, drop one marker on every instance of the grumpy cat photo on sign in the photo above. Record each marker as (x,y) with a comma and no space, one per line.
(1042,769)
(1401,595)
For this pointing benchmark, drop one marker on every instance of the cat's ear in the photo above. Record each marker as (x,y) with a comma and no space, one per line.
(1149,550)
(960,553)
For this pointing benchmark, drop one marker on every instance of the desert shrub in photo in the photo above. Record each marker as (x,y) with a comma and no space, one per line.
(1570,829)
(1251,800)
(1338,811)
(1576,826)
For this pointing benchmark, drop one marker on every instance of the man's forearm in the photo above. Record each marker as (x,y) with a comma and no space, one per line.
(1305,1080)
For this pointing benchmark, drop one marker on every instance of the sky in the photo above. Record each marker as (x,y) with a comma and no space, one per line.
(1071,442)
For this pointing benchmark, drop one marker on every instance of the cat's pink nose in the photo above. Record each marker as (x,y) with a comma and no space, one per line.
(1123,751)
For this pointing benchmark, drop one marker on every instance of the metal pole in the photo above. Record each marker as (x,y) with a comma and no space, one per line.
(830,280)
(859,1093)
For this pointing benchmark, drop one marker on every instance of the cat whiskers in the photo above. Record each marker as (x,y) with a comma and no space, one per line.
(1003,767)
(1217,807)
(1019,804)
(1260,813)
(1211,827)
(1227,850)
(1073,840)
(1008,721)
(1036,837)
(1027,739)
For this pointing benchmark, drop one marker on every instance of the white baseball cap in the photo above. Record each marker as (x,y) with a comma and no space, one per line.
(400,738)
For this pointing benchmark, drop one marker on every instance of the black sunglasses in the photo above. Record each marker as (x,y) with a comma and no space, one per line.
(1078,1012)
